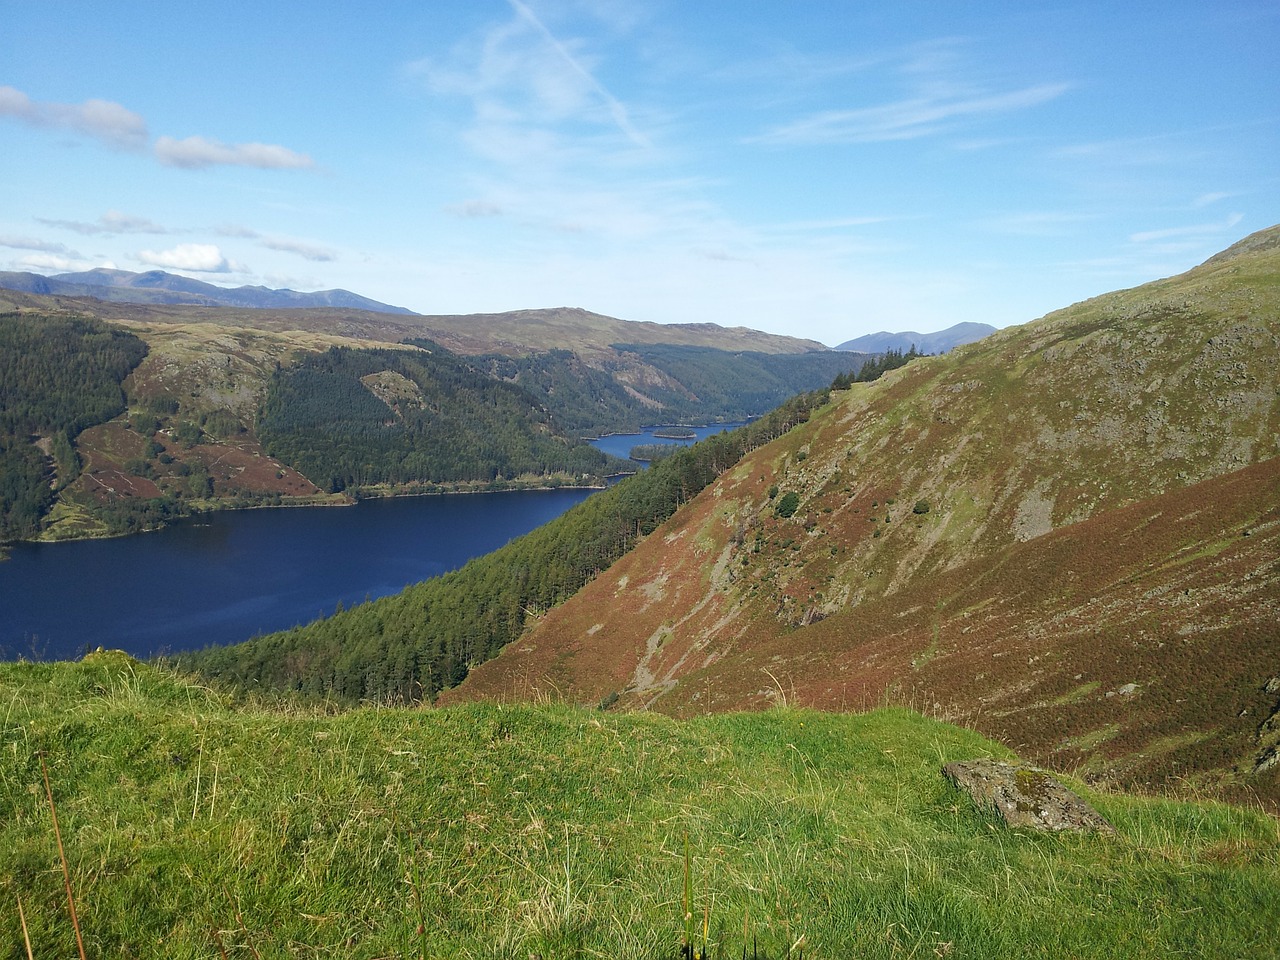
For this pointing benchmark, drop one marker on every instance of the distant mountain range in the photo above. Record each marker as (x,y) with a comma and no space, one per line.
(157,286)
(941,342)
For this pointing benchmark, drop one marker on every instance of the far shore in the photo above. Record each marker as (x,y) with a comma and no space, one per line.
(345,499)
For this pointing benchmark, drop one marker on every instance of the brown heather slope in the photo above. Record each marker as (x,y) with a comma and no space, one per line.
(1089,478)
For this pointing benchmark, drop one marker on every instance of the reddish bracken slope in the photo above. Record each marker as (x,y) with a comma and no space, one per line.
(1066,535)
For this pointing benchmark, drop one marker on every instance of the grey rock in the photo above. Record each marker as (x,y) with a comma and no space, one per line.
(1267,759)
(1025,797)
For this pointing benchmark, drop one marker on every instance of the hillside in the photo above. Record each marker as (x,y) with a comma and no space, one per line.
(207,417)
(485,830)
(1042,534)
(515,333)
(213,379)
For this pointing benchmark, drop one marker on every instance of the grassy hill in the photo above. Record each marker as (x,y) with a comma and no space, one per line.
(197,826)
(1064,534)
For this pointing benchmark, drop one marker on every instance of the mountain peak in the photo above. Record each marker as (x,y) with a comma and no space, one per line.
(940,342)
(1262,240)
(158,286)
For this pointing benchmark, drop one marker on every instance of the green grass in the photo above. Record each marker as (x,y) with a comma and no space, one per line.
(196,826)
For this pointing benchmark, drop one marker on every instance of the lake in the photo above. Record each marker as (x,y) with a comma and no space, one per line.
(224,577)
(620,444)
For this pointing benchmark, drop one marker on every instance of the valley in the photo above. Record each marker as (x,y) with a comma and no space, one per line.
(227,407)
(1041,534)
(575,480)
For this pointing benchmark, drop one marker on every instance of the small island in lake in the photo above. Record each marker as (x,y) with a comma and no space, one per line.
(675,433)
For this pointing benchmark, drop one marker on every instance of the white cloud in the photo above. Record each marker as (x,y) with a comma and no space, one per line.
(102,120)
(48,261)
(196,257)
(197,152)
(123,129)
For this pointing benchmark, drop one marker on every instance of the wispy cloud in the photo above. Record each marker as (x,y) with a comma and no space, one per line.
(302,248)
(308,251)
(833,223)
(111,222)
(475,209)
(32,243)
(102,120)
(197,152)
(1038,223)
(1195,231)
(236,230)
(1159,252)
(194,257)
(907,119)
(1209,199)
(938,90)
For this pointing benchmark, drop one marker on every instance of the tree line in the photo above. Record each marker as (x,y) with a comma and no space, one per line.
(873,368)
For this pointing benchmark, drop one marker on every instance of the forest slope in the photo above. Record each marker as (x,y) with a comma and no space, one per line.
(923,501)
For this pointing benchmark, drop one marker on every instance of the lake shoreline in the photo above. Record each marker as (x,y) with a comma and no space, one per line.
(344,499)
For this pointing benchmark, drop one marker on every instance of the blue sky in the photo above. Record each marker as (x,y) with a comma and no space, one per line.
(816,169)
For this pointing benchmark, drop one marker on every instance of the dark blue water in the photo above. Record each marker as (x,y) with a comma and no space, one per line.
(227,576)
(620,444)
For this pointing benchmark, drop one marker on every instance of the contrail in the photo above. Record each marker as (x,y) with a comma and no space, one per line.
(616,109)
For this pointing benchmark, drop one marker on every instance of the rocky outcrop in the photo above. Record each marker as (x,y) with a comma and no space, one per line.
(1024,796)
(1268,757)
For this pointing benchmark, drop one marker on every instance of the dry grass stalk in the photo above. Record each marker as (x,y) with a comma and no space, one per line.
(26,937)
(62,855)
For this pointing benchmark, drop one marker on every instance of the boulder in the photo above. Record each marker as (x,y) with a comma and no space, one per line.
(1024,796)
